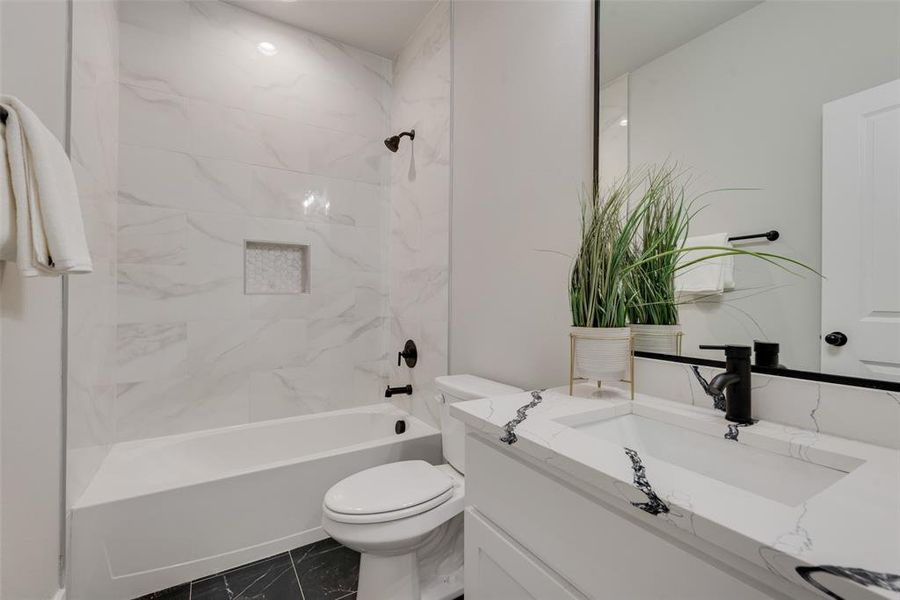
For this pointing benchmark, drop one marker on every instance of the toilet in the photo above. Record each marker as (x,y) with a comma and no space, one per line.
(389,512)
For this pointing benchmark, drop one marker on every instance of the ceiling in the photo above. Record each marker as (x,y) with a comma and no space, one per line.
(634,32)
(379,26)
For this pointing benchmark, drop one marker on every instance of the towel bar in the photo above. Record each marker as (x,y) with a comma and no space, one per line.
(769,235)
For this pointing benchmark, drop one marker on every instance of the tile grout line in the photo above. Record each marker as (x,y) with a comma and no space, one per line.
(296,575)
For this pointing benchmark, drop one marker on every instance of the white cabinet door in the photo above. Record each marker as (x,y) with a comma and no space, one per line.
(499,569)
(861,233)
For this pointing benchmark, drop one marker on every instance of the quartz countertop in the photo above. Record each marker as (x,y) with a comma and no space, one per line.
(844,537)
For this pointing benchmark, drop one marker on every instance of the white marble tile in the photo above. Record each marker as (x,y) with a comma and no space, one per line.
(154,60)
(314,198)
(153,119)
(148,351)
(153,293)
(328,100)
(220,145)
(224,77)
(171,17)
(150,235)
(169,406)
(244,346)
(153,177)
(284,144)
(419,224)
(94,132)
(295,391)
(219,131)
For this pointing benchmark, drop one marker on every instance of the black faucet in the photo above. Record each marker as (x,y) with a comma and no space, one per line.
(733,385)
(394,391)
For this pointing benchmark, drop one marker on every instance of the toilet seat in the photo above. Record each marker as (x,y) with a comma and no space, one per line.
(388,493)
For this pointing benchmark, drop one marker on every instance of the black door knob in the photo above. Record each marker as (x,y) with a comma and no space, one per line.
(836,338)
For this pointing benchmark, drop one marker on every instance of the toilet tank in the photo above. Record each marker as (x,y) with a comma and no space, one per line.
(456,388)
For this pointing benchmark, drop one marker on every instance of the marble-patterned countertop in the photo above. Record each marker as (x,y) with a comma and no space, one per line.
(845,537)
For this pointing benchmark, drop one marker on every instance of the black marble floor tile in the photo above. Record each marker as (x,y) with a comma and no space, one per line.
(327,571)
(179,592)
(269,579)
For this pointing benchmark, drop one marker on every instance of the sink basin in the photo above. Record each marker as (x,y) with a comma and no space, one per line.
(768,474)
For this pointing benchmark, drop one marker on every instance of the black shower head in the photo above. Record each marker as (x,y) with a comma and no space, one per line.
(393,142)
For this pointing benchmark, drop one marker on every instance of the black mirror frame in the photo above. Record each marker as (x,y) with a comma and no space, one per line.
(875,384)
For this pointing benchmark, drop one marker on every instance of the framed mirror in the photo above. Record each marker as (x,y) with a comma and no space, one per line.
(781,121)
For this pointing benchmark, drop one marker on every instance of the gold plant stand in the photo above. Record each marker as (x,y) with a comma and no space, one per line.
(679,337)
(630,380)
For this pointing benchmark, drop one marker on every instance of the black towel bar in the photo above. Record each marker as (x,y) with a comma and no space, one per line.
(769,235)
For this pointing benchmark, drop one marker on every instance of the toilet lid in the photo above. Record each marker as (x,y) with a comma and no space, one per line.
(388,488)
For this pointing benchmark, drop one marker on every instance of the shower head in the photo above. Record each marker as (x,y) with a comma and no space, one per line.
(393,142)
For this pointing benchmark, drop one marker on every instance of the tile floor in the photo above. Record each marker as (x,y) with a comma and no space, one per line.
(323,570)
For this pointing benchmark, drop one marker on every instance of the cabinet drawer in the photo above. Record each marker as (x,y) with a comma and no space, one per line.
(601,553)
(499,569)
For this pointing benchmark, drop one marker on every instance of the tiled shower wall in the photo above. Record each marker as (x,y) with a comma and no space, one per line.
(92,298)
(420,209)
(219,145)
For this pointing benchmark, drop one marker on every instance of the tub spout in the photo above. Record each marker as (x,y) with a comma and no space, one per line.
(393,391)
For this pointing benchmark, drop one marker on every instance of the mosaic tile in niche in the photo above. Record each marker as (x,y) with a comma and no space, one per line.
(275,268)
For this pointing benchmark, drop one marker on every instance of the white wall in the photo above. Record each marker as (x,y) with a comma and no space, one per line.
(522,129)
(420,210)
(741,105)
(33,66)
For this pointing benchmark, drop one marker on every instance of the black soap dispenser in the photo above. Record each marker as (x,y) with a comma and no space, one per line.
(766,354)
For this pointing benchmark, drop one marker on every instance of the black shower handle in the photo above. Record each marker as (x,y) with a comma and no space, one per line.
(409,353)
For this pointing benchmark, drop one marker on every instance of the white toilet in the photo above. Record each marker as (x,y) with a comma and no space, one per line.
(389,512)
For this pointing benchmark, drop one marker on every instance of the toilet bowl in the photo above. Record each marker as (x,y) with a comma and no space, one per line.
(391,513)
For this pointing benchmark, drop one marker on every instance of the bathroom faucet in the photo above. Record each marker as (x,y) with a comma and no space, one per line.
(730,390)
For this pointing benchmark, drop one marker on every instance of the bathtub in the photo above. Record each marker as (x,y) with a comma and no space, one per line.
(167,510)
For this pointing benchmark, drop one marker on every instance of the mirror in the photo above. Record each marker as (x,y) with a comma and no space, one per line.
(788,114)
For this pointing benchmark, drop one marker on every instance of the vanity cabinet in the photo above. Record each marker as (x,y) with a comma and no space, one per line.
(497,567)
(530,534)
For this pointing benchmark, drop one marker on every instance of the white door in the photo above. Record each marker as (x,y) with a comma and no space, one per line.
(861,234)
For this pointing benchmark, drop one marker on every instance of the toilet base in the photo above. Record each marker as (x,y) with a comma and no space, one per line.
(388,577)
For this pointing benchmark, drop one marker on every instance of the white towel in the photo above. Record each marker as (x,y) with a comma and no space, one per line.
(712,276)
(49,232)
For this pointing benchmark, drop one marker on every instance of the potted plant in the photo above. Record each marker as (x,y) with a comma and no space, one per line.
(658,252)
(653,310)
(598,293)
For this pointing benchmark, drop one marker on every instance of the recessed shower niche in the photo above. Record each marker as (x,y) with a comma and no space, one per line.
(276,268)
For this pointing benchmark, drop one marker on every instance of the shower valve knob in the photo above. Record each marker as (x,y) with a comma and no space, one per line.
(410,354)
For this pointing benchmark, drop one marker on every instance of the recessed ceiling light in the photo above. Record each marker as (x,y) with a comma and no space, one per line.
(623,123)
(267,48)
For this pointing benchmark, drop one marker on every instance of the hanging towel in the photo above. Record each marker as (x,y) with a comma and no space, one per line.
(37,184)
(712,276)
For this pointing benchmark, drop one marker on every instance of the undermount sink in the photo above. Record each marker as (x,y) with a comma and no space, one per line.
(777,477)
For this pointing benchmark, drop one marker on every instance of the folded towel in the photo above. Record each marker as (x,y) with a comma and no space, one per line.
(49,232)
(711,276)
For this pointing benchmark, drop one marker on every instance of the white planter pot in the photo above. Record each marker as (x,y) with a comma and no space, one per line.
(602,353)
(662,339)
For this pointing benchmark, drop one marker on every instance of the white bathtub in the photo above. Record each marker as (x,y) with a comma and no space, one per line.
(164,511)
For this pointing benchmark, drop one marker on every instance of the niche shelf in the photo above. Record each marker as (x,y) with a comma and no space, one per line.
(275,268)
